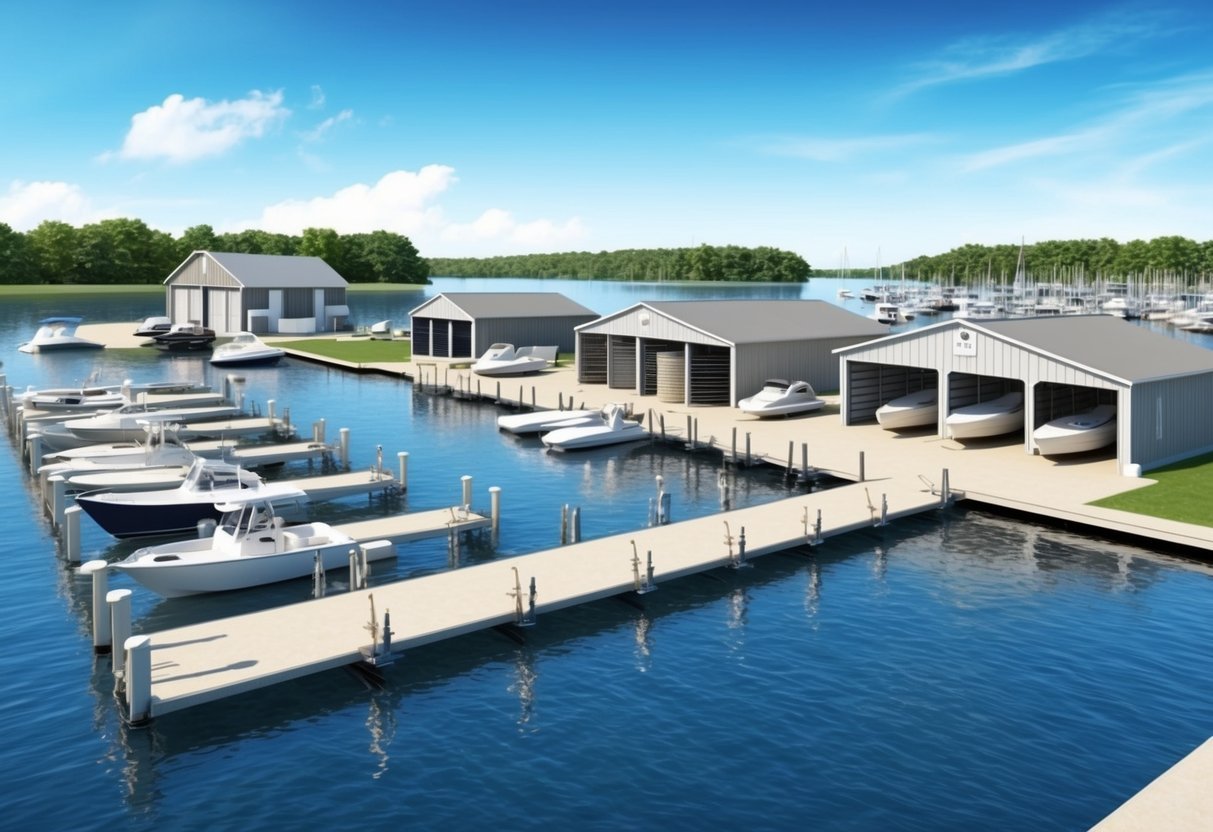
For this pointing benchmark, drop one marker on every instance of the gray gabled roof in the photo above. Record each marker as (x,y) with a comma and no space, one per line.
(273,271)
(757,321)
(1107,344)
(1103,344)
(485,305)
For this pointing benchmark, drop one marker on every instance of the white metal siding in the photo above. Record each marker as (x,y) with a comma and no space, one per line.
(659,327)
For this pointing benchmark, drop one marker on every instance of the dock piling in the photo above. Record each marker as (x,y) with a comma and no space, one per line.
(495,510)
(791,471)
(722,486)
(575,525)
(466,479)
(861,471)
(344,433)
(119,603)
(564,524)
(71,534)
(318,582)
(58,500)
(138,679)
(747,449)
(945,490)
(402,457)
(96,570)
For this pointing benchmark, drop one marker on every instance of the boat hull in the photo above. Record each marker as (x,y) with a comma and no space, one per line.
(763,410)
(1075,434)
(540,421)
(914,410)
(579,438)
(992,418)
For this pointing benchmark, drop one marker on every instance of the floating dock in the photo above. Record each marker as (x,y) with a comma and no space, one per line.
(179,668)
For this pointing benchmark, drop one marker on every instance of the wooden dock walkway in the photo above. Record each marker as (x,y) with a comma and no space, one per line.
(205,662)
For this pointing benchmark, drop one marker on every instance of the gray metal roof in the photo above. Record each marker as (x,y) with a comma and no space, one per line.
(482,305)
(1107,344)
(277,271)
(758,321)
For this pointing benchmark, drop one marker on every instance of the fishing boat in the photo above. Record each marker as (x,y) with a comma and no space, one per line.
(910,411)
(1086,431)
(989,418)
(152,326)
(179,510)
(246,350)
(129,420)
(779,397)
(184,338)
(614,428)
(504,360)
(55,334)
(541,421)
(159,462)
(252,545)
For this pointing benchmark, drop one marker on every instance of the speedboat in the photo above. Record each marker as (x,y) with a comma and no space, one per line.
(129,421)
(184,337)
(541,421)
(252,545)
(98,397)
(155,325)
(381,331)
(613,428)
(1086,431)
(161,460)
(58,334)
(246,350)
(910,411)
(180,510)
(780,398)
(504,360)
(990,418)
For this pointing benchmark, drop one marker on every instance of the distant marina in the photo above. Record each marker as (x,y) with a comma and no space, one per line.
(903,653)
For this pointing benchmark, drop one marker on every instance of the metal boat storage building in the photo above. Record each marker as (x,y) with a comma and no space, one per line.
(261,293)
(466,324)
(1162,387)
(716,352)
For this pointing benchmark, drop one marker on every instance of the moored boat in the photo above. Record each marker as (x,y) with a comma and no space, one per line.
(55,334)
(251,546)
(185,337)
(614,428)
(540,421)
(779,397)
(912,410)
(989,418)
(246,350)
(1086,431)
(505,360)
(152,326)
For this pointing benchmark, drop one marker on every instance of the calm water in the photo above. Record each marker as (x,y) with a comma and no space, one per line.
(955,671)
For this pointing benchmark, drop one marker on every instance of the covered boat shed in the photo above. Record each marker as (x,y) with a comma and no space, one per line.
(716,352)
(261,293)
(466,324)
(1162,387)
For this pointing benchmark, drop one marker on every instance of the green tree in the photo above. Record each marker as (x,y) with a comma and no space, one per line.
(53,245)
(17,264)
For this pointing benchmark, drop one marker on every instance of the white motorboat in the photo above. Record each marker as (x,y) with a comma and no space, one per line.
(779,397)
(251,546)
(910,411)
(381,331)
(989,418)
(887,313)
(541,421)
(160,459)
(504,360)
(1086,431)
(246,350)
(153,326)
(128,421)
(179,510)
(58,334)
(613,428)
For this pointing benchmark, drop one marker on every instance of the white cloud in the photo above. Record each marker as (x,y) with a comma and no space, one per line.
(317,98)
(183,130)
(28,204)
(986,57)
(406,202)
(318,132)
(839,150)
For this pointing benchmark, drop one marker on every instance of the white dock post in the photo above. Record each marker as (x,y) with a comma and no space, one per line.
(119,603)
(575,525)
(71,534)
(35,453)
(564,524)
(466,479)
(138,679)
(345,447)
(495,510)
(403,458)
(945,490)
(58,500)
(96,571)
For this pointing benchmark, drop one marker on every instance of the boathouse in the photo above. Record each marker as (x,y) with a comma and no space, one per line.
(261,293)
(1162,387)
(466,324)
(717,352)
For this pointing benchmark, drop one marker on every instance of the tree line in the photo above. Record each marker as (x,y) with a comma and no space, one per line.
(724,263)
(1173,258)
(127,251)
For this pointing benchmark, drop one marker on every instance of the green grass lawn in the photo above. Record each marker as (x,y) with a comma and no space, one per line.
(354,350)
(1182,493)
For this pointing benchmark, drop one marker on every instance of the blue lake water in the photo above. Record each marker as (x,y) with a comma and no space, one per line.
(955,671)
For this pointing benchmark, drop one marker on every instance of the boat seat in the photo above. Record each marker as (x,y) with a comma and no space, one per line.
(302,541)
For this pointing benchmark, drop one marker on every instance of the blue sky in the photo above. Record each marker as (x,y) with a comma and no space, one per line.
(887,130)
